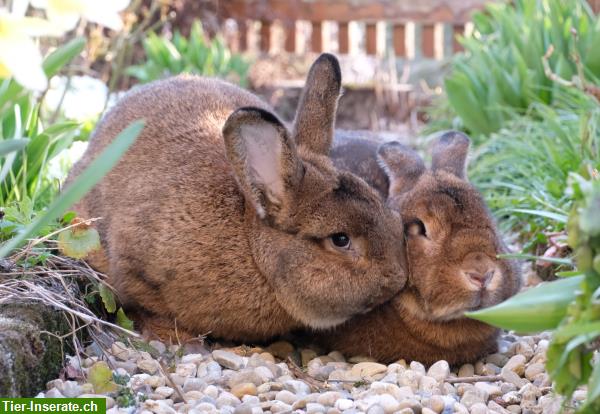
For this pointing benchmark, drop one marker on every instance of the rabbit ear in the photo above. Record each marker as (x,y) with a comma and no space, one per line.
(450,153)
(402,165)
(315,118)
(264,160)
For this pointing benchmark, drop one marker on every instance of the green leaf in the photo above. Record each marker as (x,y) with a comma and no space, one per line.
(108,298)
(123,321)
(537,309)
(56,60)
(78,242)
(11,145)
(100,376)
(561,218)
(82,184)
(593,387)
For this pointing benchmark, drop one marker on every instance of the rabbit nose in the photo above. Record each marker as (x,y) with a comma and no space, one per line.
(481,279)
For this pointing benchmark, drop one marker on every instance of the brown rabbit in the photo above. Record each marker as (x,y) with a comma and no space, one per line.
(222,221)
(452,244)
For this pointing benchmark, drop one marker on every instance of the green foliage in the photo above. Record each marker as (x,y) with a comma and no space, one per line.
(534,310)
(26,144)
(101,377)
(97,169)
(570,306)
(123,321)
(194,54)
(523,168)
(501,75)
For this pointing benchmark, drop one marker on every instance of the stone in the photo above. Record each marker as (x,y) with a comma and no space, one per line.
(479,408)
(286,397)
(193,395)
(492,390)
(474,396)
(494,406)
(248,375)
(379,388)
(510,398)
(158,345)
(533,370)
(307,355)
(228,359)
(513,378)
(129,367)
(417,367)
(506,387)
(54,393)
(244,388)
(479,367)
(164,392)
(154,381)
(192,359)
(460,409)
(375,409)
(467,370)
(368,369)
(193,384)
(186,369)
(71,389)
(312,408)
(523,348)
(439,371)
(297,387)
(490,369)
(120,351)
(336,356)
(497,359)
(409,378)
(429,384)
(280,407)
(344,376)
(211,391)
(158,406)
(515,364)
(148,366)
(227,398)
(329,398)
(344,404)
(436,404)
(281,349)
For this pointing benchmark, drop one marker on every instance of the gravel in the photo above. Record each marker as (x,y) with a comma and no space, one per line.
(191,379)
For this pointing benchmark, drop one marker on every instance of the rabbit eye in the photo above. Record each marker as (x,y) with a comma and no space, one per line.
(340,240)
(415,228)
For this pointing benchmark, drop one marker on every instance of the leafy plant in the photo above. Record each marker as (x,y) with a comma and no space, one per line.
(523,168)
(501,74)
(570,306)
(26,144)
(194,54)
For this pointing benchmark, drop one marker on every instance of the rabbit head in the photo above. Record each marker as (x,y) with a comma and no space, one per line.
(451,240)
(323,238)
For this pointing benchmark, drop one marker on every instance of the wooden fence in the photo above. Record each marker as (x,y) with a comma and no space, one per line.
(406,29)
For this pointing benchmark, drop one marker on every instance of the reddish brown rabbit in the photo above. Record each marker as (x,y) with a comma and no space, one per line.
(220,221)
(452,244)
